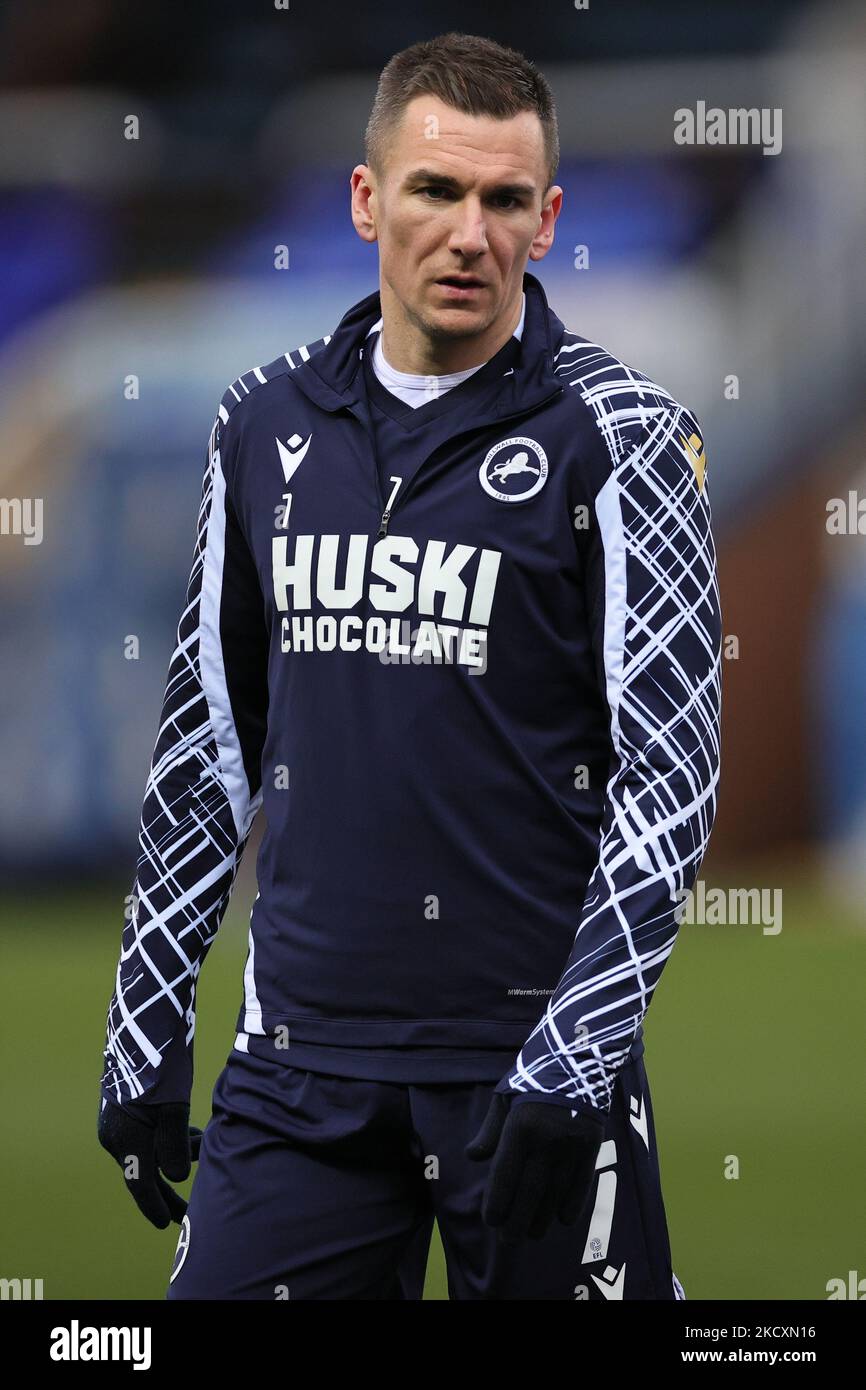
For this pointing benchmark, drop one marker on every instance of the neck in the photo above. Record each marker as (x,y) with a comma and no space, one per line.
(407,347)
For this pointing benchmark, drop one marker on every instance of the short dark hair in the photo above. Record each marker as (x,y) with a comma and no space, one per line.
(473,74)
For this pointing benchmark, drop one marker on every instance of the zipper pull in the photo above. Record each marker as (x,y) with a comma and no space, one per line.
(383,524)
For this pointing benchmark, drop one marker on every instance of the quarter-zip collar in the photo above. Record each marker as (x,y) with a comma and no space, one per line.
(482,386)
(331,377)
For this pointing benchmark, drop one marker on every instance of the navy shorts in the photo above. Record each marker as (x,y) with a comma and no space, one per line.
(314,1186)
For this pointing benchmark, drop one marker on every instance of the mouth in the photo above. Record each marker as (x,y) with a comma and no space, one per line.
(460,286)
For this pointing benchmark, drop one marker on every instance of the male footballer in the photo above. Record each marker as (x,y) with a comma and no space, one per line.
(453,622)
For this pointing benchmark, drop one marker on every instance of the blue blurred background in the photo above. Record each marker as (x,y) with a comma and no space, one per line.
(732,276)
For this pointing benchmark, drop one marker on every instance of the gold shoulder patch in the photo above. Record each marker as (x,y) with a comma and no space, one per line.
(693,448)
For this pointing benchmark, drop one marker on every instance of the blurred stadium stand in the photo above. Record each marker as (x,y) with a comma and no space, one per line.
(155,257)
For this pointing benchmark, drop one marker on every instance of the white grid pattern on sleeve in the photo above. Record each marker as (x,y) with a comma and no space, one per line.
(662,662)
(195,821)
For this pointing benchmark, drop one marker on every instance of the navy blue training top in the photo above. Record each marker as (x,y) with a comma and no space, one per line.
(466,658)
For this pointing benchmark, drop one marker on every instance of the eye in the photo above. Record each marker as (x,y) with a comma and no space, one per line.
(506,202)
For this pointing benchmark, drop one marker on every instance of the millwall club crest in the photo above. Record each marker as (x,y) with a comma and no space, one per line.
(514,470)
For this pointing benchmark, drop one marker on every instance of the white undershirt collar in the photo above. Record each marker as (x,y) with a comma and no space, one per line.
(415,390)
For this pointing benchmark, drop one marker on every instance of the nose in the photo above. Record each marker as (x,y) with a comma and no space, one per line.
(469,233)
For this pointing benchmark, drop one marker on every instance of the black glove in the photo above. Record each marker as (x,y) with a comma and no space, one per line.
(159,1137)
(543,1166)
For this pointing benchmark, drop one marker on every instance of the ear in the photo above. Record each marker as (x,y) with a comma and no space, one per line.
(363,185)
(551,206)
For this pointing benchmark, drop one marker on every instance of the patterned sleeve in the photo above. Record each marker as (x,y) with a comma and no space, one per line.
(654,612)
(201,796)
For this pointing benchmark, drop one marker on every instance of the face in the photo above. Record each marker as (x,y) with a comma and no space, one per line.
(462,199)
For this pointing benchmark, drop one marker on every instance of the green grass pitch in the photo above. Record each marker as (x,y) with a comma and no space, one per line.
(754,1048)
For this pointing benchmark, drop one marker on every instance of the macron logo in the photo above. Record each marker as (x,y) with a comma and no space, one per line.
(292,455)
(611,1282)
